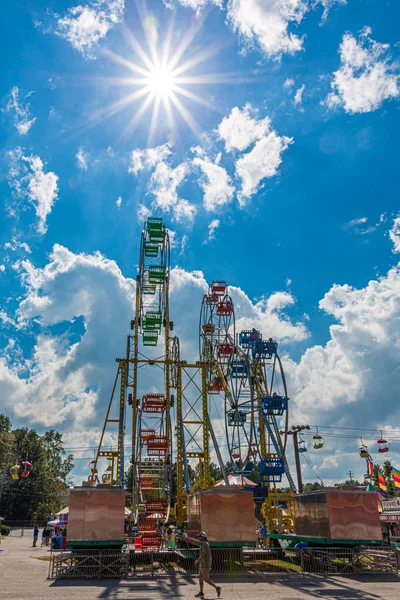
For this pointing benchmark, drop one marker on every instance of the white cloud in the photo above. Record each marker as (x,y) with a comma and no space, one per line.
(184,242)
(184,211)
(358,221)
(118,202)
(29,181)
(84,26)
(267,315)
(82,159)
(288,83)
(212,228)
(218,190)
(241,128)
(143,213)
(327,5)
(366,77)
(2,268)
(394,234)
(358,366)
(266,24)
(64,382)
(298,97)
(164,184)
(149,157)
(20,108)
(15,244)
(260,163)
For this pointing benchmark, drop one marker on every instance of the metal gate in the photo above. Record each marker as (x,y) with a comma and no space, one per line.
(98,564)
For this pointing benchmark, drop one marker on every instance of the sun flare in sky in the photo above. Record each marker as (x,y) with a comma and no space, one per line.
(161,79)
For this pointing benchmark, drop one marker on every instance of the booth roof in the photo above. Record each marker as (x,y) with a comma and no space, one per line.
(238,480)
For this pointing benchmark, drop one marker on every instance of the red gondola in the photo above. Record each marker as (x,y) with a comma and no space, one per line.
(382,445)
(225,308)
(218,287)
(27,468)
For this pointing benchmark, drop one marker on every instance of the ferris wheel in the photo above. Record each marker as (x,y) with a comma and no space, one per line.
(271,408)
(152,432)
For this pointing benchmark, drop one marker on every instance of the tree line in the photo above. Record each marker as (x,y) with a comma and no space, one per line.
(38,495)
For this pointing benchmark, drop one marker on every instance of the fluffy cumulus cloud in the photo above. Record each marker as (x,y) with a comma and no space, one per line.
(83,26)
(366,77)
(260,163)
(217,187)
(241,128)
(164,185)
(64,381)
(29,181)
(356,372)
(149,157)
(394,234)
(266,24)
(20,109)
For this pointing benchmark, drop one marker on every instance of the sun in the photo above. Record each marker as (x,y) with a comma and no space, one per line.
(162,82)
(161,79)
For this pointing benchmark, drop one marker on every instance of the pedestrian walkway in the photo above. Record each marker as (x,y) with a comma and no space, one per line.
(23,576)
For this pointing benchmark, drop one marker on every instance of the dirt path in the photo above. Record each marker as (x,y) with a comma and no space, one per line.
(24,577)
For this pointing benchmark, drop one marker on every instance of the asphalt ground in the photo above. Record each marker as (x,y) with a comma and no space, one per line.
(23,576)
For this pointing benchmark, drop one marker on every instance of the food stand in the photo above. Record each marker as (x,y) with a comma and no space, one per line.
(390,520)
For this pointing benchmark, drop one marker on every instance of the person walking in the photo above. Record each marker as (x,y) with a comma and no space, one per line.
(204,563)
(44,535)
(35,536)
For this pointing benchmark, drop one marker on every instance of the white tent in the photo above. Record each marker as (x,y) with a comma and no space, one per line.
(64,511)
(238,480)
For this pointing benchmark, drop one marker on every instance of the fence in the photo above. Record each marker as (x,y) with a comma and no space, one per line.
(23,528)
(129,564)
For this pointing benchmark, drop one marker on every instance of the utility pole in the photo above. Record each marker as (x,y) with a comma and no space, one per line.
(350,474)
(294,431)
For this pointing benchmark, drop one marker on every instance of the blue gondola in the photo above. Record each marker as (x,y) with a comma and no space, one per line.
(237,417)
(247,338)
(274,405)
(264,348)
(271,467)
(237,368)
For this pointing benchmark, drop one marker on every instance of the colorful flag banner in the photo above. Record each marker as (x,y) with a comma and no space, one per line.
(370,468)
(382,483)
(396,477)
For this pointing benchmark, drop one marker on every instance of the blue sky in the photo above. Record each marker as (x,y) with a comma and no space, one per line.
(281,177)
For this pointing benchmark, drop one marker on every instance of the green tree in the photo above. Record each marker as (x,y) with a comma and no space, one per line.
(37,495)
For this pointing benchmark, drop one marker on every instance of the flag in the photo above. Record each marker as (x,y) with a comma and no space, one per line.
(370,468)
(396,477)
(382,483)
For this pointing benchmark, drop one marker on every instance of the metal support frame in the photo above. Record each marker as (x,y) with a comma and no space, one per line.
(116,456)
(192,429)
